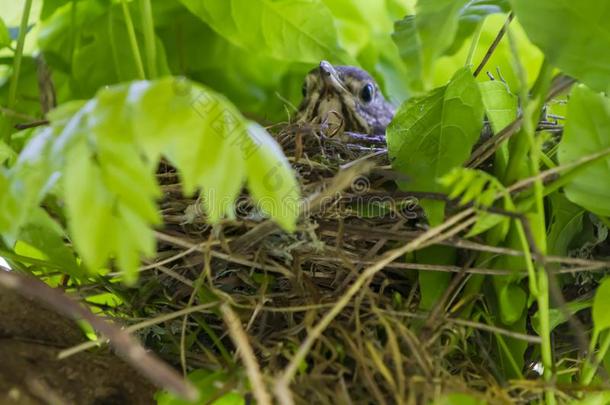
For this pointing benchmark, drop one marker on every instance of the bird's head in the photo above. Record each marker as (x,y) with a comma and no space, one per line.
(345,97)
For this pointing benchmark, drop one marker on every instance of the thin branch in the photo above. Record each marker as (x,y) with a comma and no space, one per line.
(493,45)
(240,339)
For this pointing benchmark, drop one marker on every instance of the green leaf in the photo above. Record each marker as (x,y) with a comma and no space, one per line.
(556,315)
(512,300)
(601,303)
(587,131)
(5,36)
(596,398)
(472,15)
(564,225)
(270,179)
(430,136)
(209,384)
(108,152)
(96,35)
(433,283)
(426,36)
(7,154)
(409,46)
(500,104)
(46,235)
(487,221)
(574,36)
(281,29)
(459,399)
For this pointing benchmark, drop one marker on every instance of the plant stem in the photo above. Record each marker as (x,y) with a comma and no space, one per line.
(589,369)
(474,43)
(23,27)
(133,41)
(526,144)
(148,28)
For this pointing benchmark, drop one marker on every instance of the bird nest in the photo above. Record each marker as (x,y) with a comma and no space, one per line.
(375,348)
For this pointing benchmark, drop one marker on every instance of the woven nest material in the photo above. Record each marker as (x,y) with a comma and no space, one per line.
(378,349)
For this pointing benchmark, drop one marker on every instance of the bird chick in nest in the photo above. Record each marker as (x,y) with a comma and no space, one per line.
(344,99)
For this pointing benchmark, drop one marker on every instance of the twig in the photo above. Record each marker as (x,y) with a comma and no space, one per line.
(240,339)
(136,327)
(493,45)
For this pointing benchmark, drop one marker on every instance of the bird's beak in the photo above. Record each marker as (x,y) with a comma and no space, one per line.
(330,77)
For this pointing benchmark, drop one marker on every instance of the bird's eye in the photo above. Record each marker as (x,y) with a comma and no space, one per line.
(304,89)
(367,92)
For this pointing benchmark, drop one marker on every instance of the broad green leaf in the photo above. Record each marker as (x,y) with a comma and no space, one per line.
(7,154)
(574,36)
(430,136)
(108,151)
(27,90)
(424,37)
(595,398)
(46,235)
(472,15)
(512,300)
(270,179)
(281,29)
(601,303)
(209,384)
(432,284)
(217,144)
(409,46)
(587,131)
(24,185)
(249,78)
(49,7)
(90,208)
(5,37)
(556,315)
(564,225)
(96,35)
(500,104)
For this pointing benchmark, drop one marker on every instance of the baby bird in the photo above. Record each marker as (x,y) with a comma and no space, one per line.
(346,98)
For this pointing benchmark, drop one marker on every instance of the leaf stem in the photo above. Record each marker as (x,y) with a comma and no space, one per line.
(23,27)
(133,41)
(148,28)
(474,43)
(589,368)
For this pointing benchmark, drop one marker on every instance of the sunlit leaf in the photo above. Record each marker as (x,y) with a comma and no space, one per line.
(557,315)
(270,179)
(601,303)
(430,136)
(108,152)
(472,15)
(437,28)
(5,37)
(46,235)
(500,104)
(281,29)
(587,131)
(574,36)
